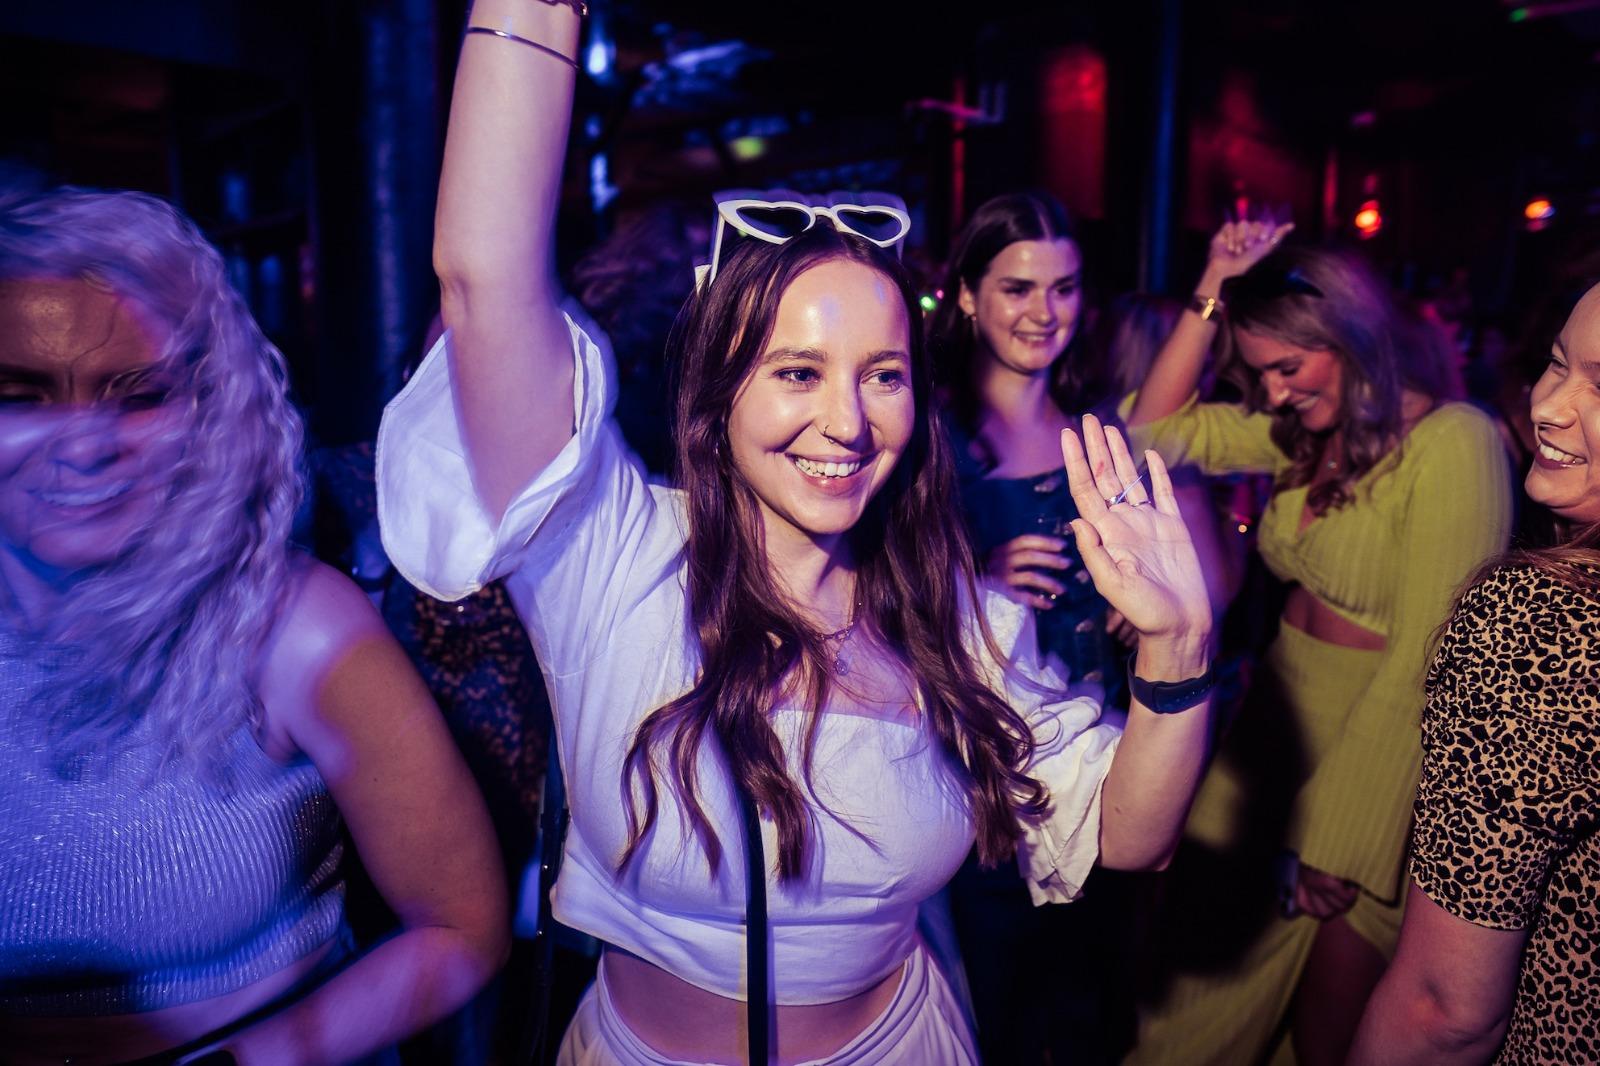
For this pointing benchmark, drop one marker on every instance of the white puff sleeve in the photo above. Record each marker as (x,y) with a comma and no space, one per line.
(1074,744)
(579,536)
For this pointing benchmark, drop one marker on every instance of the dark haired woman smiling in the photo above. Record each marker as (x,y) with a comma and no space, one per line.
(1013,370)
(798,624)
(1003,342)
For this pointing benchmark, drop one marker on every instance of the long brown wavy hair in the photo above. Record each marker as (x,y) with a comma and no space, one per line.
(1321,298)
(1077,383)
(914,582)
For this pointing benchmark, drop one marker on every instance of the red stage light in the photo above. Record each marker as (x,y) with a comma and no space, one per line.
(1539,210)
(1369,220)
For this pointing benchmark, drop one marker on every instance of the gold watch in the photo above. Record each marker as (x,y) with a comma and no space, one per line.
(1207,307)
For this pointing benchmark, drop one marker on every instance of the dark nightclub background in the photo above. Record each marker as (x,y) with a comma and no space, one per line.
(1455,142)
(1455,139)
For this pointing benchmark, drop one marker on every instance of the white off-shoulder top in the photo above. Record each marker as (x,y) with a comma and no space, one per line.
(594,559)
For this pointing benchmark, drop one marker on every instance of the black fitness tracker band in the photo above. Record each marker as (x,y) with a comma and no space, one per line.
(1170,697)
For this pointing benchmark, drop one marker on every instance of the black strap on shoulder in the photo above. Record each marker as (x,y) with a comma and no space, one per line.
(755,930)
(553,821)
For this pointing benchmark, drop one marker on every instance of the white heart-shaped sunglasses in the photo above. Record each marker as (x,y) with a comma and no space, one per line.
(780,216)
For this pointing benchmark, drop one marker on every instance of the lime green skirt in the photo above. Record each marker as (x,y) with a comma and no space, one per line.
(1295,712)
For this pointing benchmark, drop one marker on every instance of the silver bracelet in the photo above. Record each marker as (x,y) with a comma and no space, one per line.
(546,49)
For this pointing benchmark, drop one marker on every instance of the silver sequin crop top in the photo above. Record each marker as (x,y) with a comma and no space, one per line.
(132,891)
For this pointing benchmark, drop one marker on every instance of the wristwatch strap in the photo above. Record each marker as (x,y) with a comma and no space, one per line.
(1170,697)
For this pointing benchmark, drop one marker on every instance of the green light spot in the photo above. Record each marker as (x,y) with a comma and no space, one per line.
(1519,14)
(929,303)
(745,149)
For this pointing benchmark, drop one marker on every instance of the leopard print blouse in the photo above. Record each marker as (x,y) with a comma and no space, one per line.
(1510,795)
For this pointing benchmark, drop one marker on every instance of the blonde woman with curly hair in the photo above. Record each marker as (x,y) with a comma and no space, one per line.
(191,712)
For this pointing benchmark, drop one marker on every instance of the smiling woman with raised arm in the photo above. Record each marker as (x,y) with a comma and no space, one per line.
(1386,498)
(1497,952)
(794,637)
(192,713)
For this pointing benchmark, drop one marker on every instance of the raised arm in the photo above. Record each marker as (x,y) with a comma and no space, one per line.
(493,242)
(1175,374)
(1143,562)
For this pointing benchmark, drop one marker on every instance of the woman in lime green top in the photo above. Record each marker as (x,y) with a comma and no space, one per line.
(1281,911)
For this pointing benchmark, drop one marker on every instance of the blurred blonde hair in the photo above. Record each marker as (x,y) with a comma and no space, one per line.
(168,634)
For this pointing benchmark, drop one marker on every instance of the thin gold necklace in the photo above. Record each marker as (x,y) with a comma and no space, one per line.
(840,638)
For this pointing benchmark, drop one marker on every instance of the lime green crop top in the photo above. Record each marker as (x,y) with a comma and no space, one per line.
(1392,560)
(1421,522)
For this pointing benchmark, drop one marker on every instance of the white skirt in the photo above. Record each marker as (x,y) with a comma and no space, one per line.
(923,1025)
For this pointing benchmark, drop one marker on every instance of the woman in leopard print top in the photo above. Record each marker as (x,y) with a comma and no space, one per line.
(1501,939)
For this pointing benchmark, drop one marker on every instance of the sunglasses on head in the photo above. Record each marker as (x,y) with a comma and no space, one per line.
(780,216)
(1262,283)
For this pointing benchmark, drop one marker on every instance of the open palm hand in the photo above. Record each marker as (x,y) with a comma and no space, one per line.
(1133,542)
